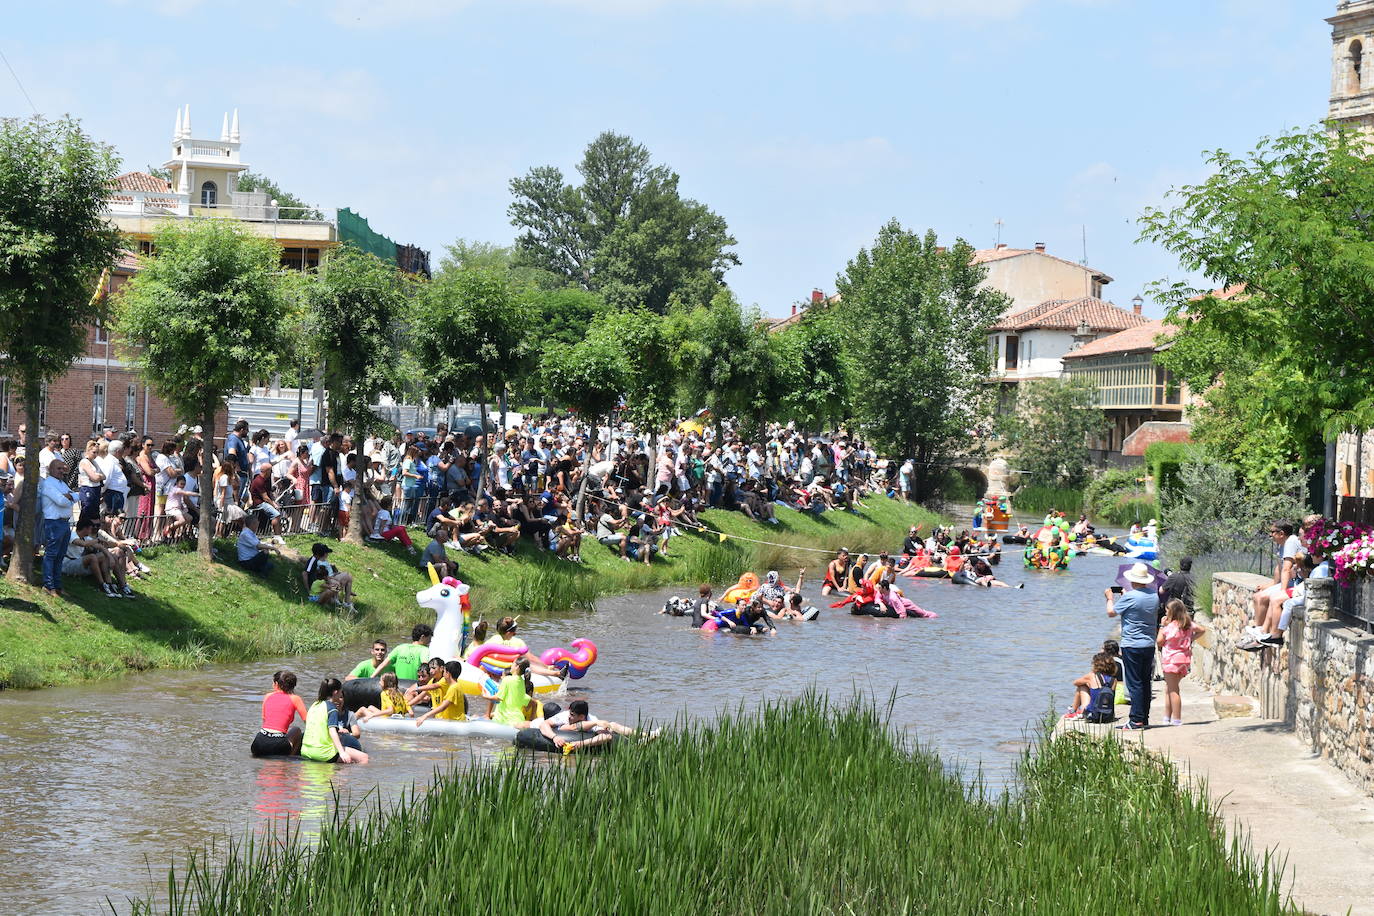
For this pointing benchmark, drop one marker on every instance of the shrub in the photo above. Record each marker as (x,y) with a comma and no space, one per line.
(1037,500)
(1165,461)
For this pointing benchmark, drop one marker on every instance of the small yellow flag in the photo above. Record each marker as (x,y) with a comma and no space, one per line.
(722,539)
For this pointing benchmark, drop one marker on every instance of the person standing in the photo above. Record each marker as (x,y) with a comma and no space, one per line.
(1179,585)
(1138,608)
(56,499)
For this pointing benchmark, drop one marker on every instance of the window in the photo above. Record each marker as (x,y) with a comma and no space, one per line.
(130,406)
(1013,351)
(1355,80)
(146,248)
(97,408)
(101,335)
(208,194)
(300,258)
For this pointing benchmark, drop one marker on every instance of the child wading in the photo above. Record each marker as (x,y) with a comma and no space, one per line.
(1175,642)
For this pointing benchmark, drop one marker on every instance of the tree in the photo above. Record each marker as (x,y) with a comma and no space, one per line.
(1050,430)
(1292,224)
(202,318)
(812,370)
(355,308)
(625,232)
(291,206)
(55,240)
(588,377)
(1214,511)
(650,367)
(922,317)
(562,315)
(470,327)
(725,359)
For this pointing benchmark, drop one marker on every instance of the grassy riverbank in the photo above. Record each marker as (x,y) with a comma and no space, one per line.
(795,808)
(188,614)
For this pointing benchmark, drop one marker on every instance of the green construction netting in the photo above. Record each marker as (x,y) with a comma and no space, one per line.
(355,230)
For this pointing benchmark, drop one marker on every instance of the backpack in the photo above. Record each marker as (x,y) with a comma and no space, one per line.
(1102,707)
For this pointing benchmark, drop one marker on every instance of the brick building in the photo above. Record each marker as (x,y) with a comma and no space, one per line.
(102,388)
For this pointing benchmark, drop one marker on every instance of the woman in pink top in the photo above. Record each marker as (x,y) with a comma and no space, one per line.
(1175,642)
(278,737)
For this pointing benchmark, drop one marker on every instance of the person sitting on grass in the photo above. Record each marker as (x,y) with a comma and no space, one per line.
(569,534)
(321,742)
(324,577)
(251,553)
(384,530)
(499,528)
(393,702)
(85,556)
(123,551)
(451,705)
(1086,688)
(367,666)
(436,554)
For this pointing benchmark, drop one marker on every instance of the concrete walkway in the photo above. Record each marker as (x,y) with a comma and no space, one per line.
(1284,796)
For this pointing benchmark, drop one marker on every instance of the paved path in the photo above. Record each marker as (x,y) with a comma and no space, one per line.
(1285,796)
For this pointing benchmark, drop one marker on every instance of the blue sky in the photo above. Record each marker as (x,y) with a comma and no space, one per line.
(805,123)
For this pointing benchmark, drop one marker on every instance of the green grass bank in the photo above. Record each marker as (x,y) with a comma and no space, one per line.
(795,808)
(188,614)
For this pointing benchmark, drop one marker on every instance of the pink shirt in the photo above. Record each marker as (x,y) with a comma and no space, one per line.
(278,709)
(1178,645)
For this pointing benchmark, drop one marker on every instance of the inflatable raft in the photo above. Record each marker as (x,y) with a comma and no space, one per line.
(468,728)
(367,691)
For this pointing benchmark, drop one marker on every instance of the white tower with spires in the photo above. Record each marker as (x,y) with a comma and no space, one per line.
(207,171)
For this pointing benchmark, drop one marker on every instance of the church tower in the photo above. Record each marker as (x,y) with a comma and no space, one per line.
(1352,65)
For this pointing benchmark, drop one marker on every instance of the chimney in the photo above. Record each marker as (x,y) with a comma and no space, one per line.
(817,297)
(1138,305)
(1001,245)
(1039,246)
(794,310)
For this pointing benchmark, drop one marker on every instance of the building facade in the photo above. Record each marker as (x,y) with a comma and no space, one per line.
(1031,276)
(1352,65)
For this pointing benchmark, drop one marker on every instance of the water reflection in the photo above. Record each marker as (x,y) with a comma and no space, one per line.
(153,766)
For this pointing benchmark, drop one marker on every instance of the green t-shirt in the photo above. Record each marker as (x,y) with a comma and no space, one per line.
(511,699)
(407,658)
(364,669)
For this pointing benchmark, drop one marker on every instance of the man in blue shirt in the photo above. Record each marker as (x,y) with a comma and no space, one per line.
(55,500)
(1138,608)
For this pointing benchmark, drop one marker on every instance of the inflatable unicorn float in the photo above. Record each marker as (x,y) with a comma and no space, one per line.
(448,598)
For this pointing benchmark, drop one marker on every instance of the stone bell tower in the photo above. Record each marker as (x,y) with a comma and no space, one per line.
(1352,65)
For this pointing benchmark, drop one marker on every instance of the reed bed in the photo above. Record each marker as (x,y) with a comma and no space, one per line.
(795,807)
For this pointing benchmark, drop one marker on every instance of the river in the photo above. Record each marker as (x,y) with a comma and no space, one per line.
(107,784)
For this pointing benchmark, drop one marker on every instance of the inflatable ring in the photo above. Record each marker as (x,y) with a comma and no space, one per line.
(572,663)
(494,658)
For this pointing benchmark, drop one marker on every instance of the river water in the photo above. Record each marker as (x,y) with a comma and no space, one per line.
(106,785)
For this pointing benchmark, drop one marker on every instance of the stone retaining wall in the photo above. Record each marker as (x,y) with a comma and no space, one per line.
(1321,682)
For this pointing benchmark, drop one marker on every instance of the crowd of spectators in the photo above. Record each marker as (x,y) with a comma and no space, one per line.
(640,490)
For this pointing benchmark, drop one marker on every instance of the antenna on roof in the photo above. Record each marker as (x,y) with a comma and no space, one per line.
(1084,262)
(999,224)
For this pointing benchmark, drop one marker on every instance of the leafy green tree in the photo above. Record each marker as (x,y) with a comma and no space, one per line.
(55,240)
(650,367)
(291,206)
(625,232)
(922,318)
(356,305)
(202,318)
(470,327)
(588,377)
(1293,223)
(725,360)
(1050,430)
(813,372)
(1214,511)
(562,315)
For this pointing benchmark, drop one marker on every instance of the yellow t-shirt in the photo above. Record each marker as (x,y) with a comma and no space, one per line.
(453,693)
(398,706)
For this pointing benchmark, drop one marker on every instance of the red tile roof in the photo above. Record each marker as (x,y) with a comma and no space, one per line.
(1139,338)
(1066,314)
(141,181)
(984,255)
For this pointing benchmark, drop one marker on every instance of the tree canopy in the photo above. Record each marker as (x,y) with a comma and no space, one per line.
(291,206)
(923,319)
(725,359)
(1050,428)
(625,232)
(812,371)
(1287,231)
(203,318)
(55,240)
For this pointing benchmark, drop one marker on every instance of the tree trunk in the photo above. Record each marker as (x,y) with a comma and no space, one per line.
(26,524)
(503,416)
(205,487)
(586,464)
(483,452)
(653,459)
(354,533)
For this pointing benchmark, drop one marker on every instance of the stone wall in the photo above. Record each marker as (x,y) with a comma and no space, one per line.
(1321,682)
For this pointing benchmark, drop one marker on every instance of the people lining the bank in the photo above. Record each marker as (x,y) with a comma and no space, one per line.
(1175,644)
